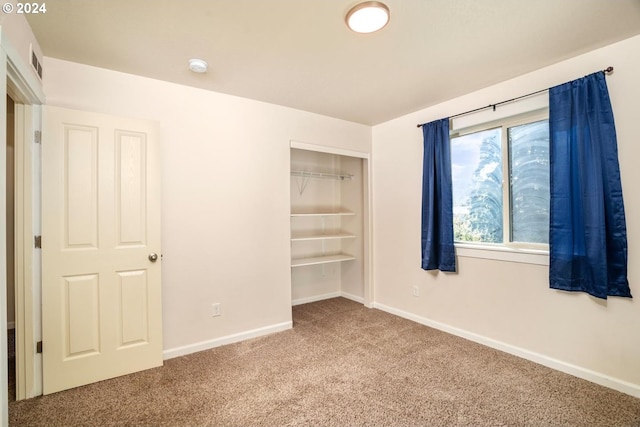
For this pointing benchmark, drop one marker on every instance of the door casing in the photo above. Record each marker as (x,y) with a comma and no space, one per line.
(27,225)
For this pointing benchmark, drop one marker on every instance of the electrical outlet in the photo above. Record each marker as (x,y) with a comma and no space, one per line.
(215,309)
(415,291)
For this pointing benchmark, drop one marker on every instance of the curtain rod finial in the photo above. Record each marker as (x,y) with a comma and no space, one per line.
(608,70)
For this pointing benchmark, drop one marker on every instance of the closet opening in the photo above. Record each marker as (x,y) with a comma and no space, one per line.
(329,224)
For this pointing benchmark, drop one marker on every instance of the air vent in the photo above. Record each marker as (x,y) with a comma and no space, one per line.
(35,62)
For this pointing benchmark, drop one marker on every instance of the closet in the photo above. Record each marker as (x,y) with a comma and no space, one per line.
(329,224)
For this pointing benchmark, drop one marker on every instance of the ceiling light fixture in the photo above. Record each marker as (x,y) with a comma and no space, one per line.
(198,65)
(367,17)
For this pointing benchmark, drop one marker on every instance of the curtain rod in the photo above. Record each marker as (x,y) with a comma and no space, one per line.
(607,70)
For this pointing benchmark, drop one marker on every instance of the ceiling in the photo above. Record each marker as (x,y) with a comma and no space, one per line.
(300,54)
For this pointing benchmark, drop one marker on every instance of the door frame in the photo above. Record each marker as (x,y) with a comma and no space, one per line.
(21,84)
(27,263)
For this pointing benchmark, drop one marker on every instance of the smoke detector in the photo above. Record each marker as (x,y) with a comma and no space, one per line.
(198,65)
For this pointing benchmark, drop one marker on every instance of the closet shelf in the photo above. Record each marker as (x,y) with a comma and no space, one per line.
(326,259)
(306,236)
(322,175)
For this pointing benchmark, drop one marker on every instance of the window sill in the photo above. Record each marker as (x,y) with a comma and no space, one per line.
(503,253)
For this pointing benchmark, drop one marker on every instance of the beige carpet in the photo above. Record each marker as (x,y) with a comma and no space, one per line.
(341,365)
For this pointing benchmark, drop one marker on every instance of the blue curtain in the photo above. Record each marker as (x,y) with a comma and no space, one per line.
(438,252)
(587,233)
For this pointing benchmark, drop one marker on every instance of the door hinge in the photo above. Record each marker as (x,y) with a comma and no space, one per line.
(39,347)
(37,242)
(37,137)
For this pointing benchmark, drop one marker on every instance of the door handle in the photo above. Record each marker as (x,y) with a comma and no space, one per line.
(153,257)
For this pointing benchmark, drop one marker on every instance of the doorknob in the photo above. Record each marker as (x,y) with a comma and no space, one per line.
(153,257)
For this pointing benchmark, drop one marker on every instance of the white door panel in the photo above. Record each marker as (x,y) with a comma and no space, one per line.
(101,221)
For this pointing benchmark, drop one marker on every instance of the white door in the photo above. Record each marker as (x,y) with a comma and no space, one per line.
(101,304)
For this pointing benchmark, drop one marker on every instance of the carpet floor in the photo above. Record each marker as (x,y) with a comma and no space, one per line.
(341,365)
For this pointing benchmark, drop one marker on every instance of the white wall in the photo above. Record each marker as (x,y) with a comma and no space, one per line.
(225,180)
(509,304)
(17,33)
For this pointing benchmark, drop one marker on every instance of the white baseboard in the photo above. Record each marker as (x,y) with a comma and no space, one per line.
(568,368)
(11,324)
(328,296)
(352,297)
(229,339)
(315,298)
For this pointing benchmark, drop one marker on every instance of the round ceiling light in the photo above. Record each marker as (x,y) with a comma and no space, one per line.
(367,17)
(198,65)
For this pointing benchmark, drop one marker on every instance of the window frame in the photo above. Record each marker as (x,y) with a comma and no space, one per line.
(532,253)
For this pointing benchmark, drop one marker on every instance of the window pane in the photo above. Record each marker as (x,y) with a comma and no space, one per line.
(529,191)
(477,186)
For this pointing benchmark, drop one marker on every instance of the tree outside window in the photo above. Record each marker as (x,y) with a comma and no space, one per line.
(500,181)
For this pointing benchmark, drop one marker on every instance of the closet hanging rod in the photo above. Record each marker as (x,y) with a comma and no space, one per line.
(323,175)
(606,71)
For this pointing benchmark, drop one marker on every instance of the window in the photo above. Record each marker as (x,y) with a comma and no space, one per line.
(500,176)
